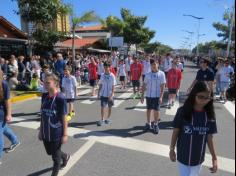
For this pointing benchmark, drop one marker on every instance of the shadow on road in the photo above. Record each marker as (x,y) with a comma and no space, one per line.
(41,172)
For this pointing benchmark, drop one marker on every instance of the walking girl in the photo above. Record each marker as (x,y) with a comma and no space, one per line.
(53,126)
(194,126)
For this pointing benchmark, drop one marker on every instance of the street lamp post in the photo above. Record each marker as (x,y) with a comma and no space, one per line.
(198,29)
(191,38)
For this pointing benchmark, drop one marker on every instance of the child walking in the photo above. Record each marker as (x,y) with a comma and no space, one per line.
(53,126)
(194,126)
(69,88)
(122,73)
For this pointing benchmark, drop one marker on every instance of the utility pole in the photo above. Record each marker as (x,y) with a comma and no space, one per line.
(232,14)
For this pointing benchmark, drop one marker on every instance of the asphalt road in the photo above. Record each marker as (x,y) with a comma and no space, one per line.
(118,149)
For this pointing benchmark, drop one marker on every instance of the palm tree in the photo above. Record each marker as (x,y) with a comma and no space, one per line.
(87,17)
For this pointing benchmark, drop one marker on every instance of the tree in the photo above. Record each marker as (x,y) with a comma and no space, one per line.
(77,21)
(224,29)
(41,14)
(134,30)
(156,47)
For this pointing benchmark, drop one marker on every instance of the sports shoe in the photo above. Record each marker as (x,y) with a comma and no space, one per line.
(68,118)
(12,147)
(64,162)
(148,127)
(156,128)
(107,121)
(100,123)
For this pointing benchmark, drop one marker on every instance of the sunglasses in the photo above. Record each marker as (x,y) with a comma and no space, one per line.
(202,97)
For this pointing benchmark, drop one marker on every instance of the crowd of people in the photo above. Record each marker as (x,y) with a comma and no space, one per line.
(58,78)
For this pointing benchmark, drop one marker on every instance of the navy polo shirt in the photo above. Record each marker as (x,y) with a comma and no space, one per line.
(205,75)
(192,140)
(53,111)
(3,109)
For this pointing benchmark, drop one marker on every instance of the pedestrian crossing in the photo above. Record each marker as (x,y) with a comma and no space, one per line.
(121,97)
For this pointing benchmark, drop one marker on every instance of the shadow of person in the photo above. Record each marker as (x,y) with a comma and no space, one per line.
(38,173)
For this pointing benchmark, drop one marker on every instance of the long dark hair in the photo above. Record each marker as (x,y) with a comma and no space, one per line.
(188,108)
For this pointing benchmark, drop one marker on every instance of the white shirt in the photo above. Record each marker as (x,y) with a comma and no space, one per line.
(107,82)
(114,62)
(167,64)
(181,66)
(69,85)
(224,73)
(153,82)
(146,67)
(128,64)
(122,69)
(100,68)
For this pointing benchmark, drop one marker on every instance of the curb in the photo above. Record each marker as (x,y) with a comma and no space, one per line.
(21,98)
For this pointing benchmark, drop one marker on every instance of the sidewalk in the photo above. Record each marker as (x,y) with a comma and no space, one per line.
(18,96)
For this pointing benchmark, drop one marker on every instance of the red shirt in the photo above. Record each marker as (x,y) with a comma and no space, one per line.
(112,70)
(136,71)
(174,78)
(92,71)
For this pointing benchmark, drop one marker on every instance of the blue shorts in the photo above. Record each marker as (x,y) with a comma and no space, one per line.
(153,104)
(92,82)
(70,100)
(224,86)
(105,102)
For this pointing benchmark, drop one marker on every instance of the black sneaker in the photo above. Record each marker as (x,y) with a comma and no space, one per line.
(12,147)
(148,127)
(64,163)
(156,129)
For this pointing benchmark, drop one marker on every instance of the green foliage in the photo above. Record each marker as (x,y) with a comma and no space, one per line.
(115,25)
(156,47)
(41,11)
(223,29)
(45,40)
(212,45)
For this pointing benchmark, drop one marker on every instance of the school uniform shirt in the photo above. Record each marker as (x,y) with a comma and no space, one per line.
(153,82)
(136,71)
(92,71)
(174,77)
(122,71)
(128,63)
(146,67)
(224,74)
(205,75)
(53,110)
(192,140)
(3,109)
(69,85)
(115,62)
(107,81)
(167,64)
(100,68)
(181,66)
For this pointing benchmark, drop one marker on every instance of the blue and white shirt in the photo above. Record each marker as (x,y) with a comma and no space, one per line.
(191,144)
(153,82)
(167,65)
(100,68)
(225,74)
(69,85)
(146,67)
(53,110)
(122,71)
(107,82)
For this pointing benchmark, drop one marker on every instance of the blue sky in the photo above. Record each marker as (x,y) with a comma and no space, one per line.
(164,16)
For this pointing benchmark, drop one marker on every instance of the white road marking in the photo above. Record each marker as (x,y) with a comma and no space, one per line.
(230,107)
(141,106)
(77,156)
(225,164)
(84,92)
(122,97)
(90,101)
(173,109)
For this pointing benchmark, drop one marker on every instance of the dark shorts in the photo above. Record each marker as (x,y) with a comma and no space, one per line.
(136,83)
(172,91)
(92,82)
(153,104)
(99,77)
(122,78)
(70,100)
(105,102)
(144,77)
(129,73)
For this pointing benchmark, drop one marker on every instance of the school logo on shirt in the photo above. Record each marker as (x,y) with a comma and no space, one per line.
(188,130)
